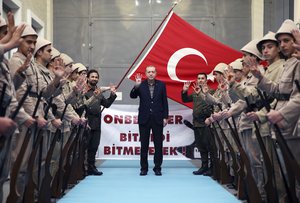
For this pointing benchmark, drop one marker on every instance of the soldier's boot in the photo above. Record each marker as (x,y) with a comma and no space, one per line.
(201,170)
(92,170)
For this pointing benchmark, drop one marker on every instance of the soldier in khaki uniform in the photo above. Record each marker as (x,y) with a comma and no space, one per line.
(237,69)
(69,92)
(74,86)
(269,47)
(220,96)
(287,113)
(270,50)
(43,58)
(246,88)
(34,78)
(282,90)
(9,103)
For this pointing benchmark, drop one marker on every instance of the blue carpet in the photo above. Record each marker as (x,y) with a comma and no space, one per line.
(121,183)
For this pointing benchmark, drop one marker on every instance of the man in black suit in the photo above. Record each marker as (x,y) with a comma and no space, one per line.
(153,115)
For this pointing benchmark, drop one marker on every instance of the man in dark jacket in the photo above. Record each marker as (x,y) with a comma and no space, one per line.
(94,99)
(153,115)
(201,111)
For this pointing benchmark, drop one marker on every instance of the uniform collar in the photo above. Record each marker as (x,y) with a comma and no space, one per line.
(42,68)
(275,65)
(19,55)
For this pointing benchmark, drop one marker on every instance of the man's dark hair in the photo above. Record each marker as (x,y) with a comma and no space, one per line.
(92,71)
(203,74)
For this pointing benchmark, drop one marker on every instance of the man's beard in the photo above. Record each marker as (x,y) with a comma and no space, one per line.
(93,83)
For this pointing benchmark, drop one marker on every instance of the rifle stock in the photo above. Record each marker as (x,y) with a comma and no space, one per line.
(45,192)
(14,195)
(238,171)
(57,183)
(269,185)
(225,177)
(31,185)
(252,190)
(83,148)
(289,157)
(297,85)
(291,164)
(13,117)
(71,162)
(2,109)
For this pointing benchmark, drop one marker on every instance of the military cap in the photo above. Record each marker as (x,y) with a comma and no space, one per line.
(252,49)
(270,36)
(66,59)
(237,64)
(80,67)
(76,66)
(40,43)
(28,31)
(220,67)
(286,28)
(54,53)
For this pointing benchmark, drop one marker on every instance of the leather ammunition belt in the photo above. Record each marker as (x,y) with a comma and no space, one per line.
(33,94)
(282,97)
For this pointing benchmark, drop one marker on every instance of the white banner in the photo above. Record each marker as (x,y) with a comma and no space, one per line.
(120,134)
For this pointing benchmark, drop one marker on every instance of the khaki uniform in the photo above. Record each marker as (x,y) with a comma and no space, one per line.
(219,97)
(246,87)
(34,78)
(249,143)
(289,111)
(283,88)
(272,73)
(10,103)
(223,98)
(243,89)
(59,102)
(71,97)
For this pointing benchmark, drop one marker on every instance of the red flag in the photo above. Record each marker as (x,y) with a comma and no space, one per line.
(179,52)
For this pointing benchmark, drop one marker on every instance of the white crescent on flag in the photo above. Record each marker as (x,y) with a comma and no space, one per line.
(176,57)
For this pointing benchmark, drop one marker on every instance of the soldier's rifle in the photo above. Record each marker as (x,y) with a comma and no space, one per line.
(225,177)
(57,182)
(297,85)
(13,116)
(79,157)
(269,186)
(218,166)
(83,148)
(72,162)
(238,165)
(2,112)
(2,96)
(238,169)
(291,164)
(253,194)
(30,184)
(45,191)
(14,194)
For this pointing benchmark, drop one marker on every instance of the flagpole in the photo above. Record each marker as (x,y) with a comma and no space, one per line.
(173,6)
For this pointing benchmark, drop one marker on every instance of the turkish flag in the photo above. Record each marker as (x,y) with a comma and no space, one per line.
(179,52)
